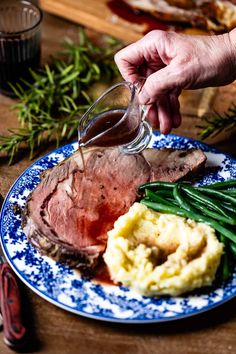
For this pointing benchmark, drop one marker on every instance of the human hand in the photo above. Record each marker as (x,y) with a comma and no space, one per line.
(172,62)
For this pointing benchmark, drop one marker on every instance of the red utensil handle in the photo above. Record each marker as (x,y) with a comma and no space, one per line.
(14,331)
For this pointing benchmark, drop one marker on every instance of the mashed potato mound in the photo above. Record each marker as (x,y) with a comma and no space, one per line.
(161,254)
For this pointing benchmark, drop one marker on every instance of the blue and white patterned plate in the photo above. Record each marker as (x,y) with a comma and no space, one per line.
(63,286)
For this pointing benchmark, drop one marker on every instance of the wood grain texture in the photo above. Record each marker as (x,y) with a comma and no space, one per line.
(55,331)
(96,15)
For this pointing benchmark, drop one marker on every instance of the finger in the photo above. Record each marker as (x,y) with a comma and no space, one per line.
(140,57)
(164,115)
(152,116)
(175,109)
(128,60)
(165,80)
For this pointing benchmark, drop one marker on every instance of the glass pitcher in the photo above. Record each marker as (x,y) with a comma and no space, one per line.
(116,119)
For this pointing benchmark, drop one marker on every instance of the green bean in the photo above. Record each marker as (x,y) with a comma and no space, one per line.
(157,184)
(194,216)
(232,247)
(181,200)
(227,206)
(195,207)
(231,192)
(225,260)
(212,214)
(225,267)
(196,194)
(156,198)
(221,185)
(163,208)
(218,195)
(166,193)
(229,210)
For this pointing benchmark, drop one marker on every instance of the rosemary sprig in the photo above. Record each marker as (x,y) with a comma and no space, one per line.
(49,107)
(218,123)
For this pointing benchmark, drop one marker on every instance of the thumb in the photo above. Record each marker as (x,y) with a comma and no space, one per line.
(162,82)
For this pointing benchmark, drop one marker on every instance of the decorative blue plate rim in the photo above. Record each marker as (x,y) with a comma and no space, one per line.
(84,297)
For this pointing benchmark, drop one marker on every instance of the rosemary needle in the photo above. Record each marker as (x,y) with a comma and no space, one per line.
(217,123)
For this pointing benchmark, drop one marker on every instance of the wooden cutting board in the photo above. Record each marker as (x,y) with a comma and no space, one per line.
(96,15)
(107,16)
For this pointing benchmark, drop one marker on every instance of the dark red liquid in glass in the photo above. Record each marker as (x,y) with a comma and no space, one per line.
(120,135)
(16,57)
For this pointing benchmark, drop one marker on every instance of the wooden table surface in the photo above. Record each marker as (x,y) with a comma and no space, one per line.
(55,331)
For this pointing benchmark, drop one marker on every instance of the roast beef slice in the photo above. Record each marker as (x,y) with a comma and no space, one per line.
(68,214)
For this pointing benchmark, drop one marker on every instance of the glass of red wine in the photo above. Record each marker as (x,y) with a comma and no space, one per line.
(20,25)
(116,119)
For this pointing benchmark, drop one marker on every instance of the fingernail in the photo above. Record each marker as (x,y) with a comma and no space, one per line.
(164,129)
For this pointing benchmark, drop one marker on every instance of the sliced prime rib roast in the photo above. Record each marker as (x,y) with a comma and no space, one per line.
(68,214)
(217,15)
